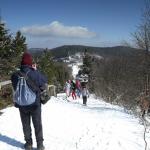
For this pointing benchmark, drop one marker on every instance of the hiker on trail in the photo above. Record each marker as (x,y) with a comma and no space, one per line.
(67,88)
(78,86)
(85,94)
(34,110)
(73,88)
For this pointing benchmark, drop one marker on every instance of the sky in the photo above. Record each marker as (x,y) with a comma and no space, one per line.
(53,23)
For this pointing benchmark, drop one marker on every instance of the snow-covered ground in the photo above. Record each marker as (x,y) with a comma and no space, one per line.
(72,126)
(75,69)
(68,125)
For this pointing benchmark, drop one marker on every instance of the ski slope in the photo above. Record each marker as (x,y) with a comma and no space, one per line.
(68,125)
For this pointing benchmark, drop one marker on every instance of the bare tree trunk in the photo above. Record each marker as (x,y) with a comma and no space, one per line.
(145,130)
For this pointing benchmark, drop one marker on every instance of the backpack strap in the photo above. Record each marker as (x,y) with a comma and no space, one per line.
(30,81)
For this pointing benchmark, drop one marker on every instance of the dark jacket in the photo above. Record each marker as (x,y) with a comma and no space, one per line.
(73,86)
(33,74)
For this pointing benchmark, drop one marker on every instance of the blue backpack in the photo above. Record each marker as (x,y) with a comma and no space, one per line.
(23,95)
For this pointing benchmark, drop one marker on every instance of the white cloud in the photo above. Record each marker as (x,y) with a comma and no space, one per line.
(57,29)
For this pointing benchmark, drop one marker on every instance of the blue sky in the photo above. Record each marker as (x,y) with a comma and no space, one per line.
(52,23)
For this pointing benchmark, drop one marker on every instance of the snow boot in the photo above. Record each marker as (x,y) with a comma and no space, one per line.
(28,146)
(40,147)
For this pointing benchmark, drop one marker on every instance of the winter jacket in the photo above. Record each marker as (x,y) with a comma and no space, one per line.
(73,86)
(33,74)
(67,86)
(78,85)
(85,92)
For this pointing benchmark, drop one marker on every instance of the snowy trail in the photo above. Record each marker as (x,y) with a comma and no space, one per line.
(71,126)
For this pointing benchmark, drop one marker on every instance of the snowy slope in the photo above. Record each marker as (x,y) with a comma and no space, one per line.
(68,125)
(71,126)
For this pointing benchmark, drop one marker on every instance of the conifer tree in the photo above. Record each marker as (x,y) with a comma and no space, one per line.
(18,44)
(10,48)
(5,42)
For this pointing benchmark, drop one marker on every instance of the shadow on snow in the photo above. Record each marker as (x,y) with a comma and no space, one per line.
(11,141)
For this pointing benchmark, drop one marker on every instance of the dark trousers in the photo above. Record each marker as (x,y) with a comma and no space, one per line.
(84,100)
(35,115)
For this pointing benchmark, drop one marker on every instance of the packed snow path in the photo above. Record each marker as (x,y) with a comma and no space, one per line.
(68,125)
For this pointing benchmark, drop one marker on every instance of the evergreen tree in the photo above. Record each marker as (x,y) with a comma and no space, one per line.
(18,44)
(5,42)
(46,65)
(57,73)
(10,48)
(86,62)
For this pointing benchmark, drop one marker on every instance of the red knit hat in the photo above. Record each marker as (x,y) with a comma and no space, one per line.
(26,59)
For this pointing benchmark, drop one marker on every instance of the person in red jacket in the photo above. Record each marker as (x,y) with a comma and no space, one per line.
(78,88)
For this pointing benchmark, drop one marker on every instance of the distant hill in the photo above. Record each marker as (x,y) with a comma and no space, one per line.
(103,51)
(64,51)
(36,51)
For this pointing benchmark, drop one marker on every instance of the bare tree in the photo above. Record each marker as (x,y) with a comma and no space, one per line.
(142,35)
